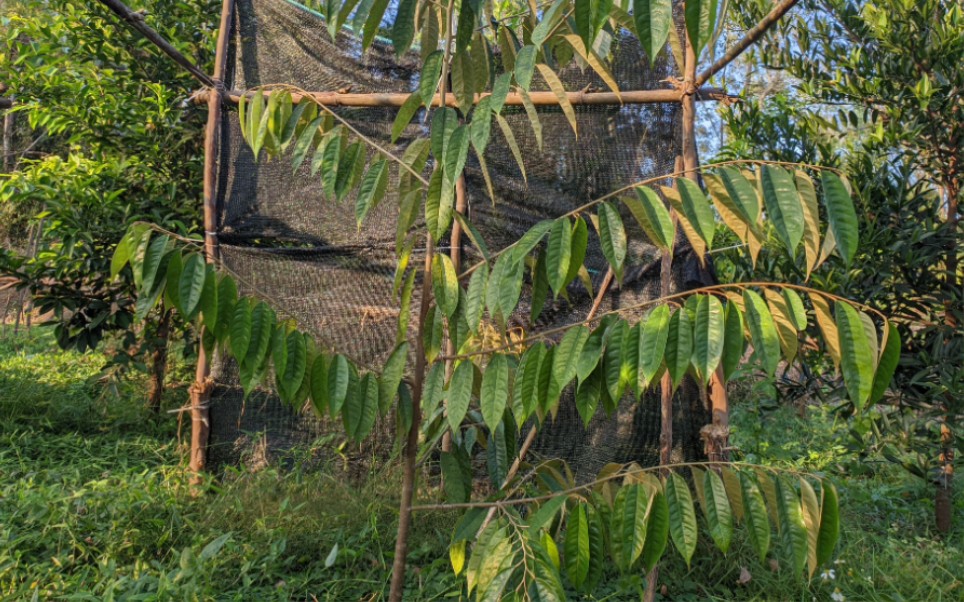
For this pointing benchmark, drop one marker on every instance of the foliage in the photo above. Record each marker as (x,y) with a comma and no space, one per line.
(95,504)
(109,117)
(888,113)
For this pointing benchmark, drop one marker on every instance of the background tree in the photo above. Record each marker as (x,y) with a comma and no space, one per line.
(114,142)
(875,88)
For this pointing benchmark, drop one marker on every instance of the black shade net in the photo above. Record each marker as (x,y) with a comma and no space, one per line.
(303,252)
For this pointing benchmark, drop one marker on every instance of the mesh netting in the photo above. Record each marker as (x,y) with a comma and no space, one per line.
(304,253)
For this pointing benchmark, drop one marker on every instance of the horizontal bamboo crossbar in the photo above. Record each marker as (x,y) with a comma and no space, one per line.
(338,99)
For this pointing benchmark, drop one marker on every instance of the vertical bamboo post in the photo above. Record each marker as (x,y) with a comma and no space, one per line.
(201,389)
(716,435)
(455,252)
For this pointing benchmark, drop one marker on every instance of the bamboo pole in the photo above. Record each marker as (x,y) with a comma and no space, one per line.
(748,40)
(136,21)
(539,98)
(201,389)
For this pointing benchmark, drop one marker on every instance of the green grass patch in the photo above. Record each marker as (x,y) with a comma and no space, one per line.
(95,504)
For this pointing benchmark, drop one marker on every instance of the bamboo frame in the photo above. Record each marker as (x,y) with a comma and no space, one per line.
(538,98)
(201,390)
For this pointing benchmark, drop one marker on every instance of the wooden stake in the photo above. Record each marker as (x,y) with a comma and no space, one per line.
(201,390)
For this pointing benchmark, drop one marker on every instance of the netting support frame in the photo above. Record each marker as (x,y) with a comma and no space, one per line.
(203,385)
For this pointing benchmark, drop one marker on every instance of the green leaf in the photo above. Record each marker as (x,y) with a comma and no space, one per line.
(297,363)
(444,122)
(318,377)
(558,254)
(653,217)
(392,376)
(209,298)
(577,254)
(763,331)
(191,285)
(403,30)
(652,345)
(577,546)
(829,523)
(588,395)
(841,214)
(241,328)
(795,309)
(372,189)
(445,284)
(544,516)
(657,532)
(755,515)
(439,203)
(339,381)
(497,455)
(613,359)
(856,358)
(783,205)
(708,336)
(591,354)
(612,238)
(495,390)
(405,113)
(565,357)
(262,327)
(361,408)
(679,346)
(546,23)
(700,18)
(475,297)
(227,297)
(175,265)
(531,370)
(744,197)
(653,20)
(811,519)
(734,342)
(682,516)
(457,481)
(793,531)
(456,153)
(432,335)
(511,141)
(429,80)
(628,525)
(525,65)
(888,364)
(719,515)
(697,209)
(154,256)
(460,393)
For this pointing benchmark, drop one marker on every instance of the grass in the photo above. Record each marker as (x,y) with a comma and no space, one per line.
(95,505)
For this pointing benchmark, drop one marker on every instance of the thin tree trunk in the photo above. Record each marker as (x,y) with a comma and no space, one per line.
(159,363)
(943,502)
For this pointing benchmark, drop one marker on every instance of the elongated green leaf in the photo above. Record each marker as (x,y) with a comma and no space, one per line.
(431,72)
(318,381)
(679,346)
(405,113)
(445,284)
(475,297)
(192,285)
(494,394)
(209,298)
(653,217)
(403,30)
(297,364)
(887,365)
(628,525)
(719,515)
(361,409)
(700,22)
(528,391)
(734,342)
(697,209)
(439,203)
(708,336)
(793,530)
(580,242)
(811,519)
(241,328)
(555,84)
(653,21)
(829,523)
(657,532)
(755,515)
(391,377)
(456,153)
(154,255)
(511,141)
(372,189)
(577,546)
(795,309)
(652,345)
(841,213)
(175,265)
(457,481)
(339,382)
(262,327)
(763,332)
(741,192)
(682,516)
(525,65)
(558,254)
(612,237)
(460,393)
(548,22)
(565,358)
(811,219)
(783,205)
(856,358)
